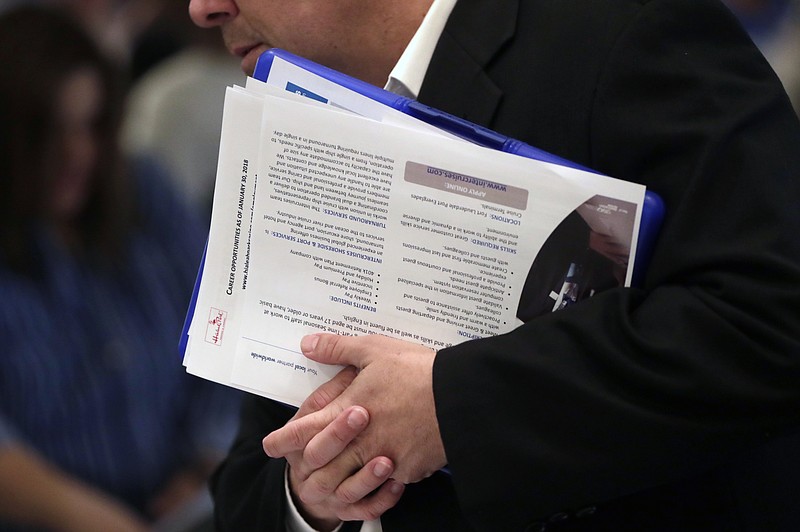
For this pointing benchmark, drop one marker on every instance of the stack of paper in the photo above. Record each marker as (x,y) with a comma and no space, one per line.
(333,212)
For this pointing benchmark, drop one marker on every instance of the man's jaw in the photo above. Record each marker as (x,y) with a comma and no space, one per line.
(249,54)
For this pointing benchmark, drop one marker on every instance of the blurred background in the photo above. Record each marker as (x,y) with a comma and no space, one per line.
(110,115)
(176,74)
(774,25)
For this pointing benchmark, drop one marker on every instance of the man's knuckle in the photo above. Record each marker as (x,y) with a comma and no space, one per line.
(324,343)
(296,436)
(359,454)
(314,490)
(347,513)
(372,511)
(336,346)
(323,487)
(347,495)
(319,399)
(313,456)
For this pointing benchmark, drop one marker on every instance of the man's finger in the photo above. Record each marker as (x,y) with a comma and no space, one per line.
(332,440)
(356,351)
(374,506)
(326,393)
(322,482)
(333,349)
(295,435)
(365,481)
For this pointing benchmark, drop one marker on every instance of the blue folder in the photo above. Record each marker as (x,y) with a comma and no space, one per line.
(653,206)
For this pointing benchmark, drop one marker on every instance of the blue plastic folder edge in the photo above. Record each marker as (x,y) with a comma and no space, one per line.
(652,209)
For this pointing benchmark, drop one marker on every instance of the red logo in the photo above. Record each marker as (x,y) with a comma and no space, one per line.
(216,326)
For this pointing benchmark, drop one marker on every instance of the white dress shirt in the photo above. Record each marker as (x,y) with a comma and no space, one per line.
(407,75)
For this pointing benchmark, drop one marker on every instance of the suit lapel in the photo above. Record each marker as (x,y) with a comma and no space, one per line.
(456,81)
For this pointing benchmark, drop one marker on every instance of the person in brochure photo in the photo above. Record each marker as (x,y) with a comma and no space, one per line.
(673,405)
(588,252)
(101,429)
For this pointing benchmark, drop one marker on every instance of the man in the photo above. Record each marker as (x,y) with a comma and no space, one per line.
(665,407)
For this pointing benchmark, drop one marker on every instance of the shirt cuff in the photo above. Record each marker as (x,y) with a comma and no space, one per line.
(295,521)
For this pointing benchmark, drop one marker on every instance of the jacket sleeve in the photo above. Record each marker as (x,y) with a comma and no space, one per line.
(638,387)
(248,487)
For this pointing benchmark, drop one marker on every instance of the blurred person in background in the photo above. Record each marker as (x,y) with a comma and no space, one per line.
(174,110)
(774,25)
(134,34)
(100,426)
(119,25)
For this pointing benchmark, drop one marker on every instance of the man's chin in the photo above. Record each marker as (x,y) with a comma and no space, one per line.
(250,60)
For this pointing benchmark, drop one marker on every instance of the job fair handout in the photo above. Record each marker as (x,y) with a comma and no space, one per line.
(352,218)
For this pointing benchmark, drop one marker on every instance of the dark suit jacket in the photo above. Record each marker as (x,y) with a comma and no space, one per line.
(665,407)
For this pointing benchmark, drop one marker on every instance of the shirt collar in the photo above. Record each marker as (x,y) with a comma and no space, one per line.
(407,75)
